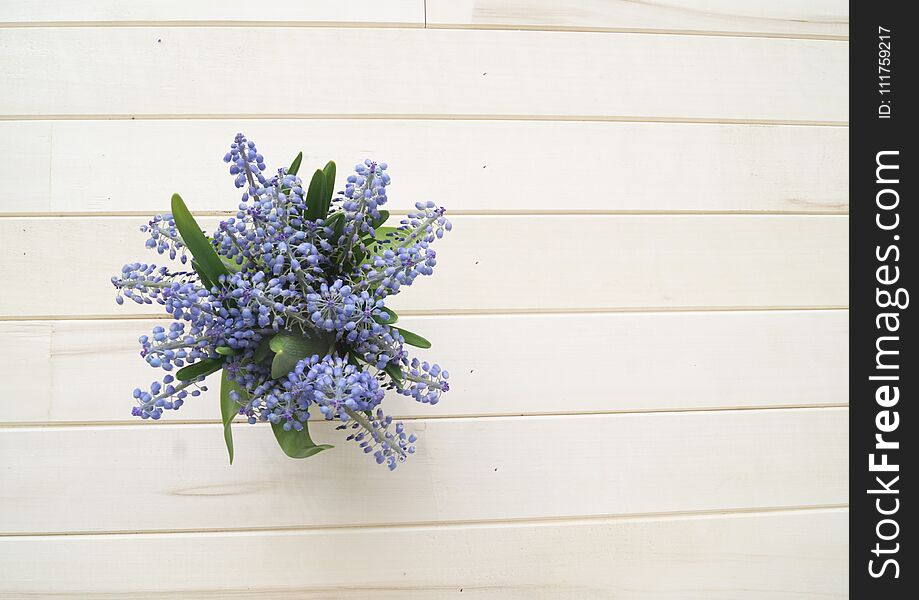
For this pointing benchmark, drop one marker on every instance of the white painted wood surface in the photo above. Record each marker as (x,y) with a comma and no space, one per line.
(202,12)
(470,166)
(791,18)
(177,477)
(776,556)
(497,263)
(632,416)
(714,360)
(147,72)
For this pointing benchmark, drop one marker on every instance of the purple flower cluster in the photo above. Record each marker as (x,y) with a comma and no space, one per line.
(302,283)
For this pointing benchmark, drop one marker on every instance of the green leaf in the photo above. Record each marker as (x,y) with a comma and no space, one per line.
(209,263)
(290,348)
(383,233)
(382,239)
(204,278)
(395,373)
(202,367)
(413,339)
(337,223)
(329,172)
(295,166)
(229,409)
(225,351)
(231,265)
(263,350)
(357,257)
(315,195)
(297,444)
(392,317)
(335,219)
(384,216)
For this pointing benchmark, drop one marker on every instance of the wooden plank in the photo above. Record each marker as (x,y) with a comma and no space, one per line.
(494,263)
(147,72)
(811,18)
(176,477)
(712,360)
(202,12)
(650,166)
(793,555)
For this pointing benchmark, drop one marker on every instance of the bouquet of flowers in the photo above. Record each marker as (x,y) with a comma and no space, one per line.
(288,300)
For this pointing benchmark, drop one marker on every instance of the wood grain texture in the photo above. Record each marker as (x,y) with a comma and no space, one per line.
(775,556)
(712,360)
(481,166)
(791,18)
(176,477)
(506,263)
(620,425)
(144,72)
(202,12)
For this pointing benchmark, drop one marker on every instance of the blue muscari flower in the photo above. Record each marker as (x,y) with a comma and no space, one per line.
(427,381)
(407,254)
(269,400)
(165,349)
(145,283)
(363,321)
(364,194)
(331,307)
(365,190)
(381,347)
(167,395)
(388,442)
(164,237)
(337,387)
(426,222)
(294,274)
(245,163)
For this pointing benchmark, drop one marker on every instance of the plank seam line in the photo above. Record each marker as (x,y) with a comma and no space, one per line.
(191,424)
(419,117)
(645,30)
(522,27)
(210,24)
(485,312)
(477,312)
(460,524)
(503,214)
(469,213)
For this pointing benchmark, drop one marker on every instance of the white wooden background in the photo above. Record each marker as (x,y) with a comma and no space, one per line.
(643,302)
